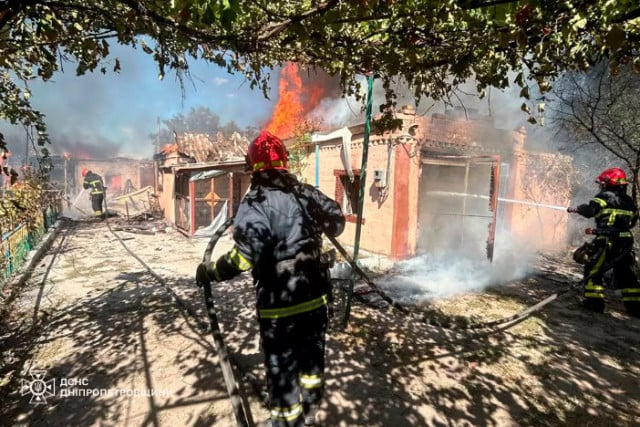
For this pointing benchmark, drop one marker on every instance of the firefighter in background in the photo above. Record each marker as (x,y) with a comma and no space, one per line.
(278,236)
(615,214)
(93,181)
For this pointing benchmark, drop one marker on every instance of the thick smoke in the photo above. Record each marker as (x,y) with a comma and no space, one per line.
(462,265)
(113,115)
(99,148)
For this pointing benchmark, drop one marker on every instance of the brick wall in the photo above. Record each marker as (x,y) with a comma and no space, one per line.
(377,210)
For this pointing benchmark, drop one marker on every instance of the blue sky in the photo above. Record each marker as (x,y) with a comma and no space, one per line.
(116,112)
(121,110)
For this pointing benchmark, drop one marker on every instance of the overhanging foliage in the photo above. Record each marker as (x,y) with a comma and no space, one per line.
(431,44)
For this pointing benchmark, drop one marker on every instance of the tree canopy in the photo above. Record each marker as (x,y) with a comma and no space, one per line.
(433,45)
(596,108)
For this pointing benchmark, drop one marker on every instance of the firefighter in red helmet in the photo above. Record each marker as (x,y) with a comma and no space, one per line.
(94,182)
(615,214)
(278,236)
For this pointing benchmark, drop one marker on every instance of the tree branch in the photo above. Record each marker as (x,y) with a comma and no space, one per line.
(276,28)
(628,16)
(475,4)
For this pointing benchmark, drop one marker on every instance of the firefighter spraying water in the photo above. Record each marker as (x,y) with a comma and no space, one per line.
(94,183)
(615,214)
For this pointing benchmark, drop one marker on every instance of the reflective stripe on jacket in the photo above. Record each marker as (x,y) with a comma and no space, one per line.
(612,210)
(94,182)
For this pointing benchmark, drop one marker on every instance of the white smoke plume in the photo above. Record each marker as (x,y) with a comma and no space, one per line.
(445,274)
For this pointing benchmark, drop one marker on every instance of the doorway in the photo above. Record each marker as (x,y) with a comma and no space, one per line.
(457,204)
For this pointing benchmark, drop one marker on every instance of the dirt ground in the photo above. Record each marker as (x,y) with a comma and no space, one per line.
(118,337)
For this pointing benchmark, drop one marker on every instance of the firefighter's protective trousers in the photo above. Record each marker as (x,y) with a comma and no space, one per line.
(294,350)
(96,204)
(619,251)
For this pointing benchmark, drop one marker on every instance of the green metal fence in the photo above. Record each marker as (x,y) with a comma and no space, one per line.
(16,244)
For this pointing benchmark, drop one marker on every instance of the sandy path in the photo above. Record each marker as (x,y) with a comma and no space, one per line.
(108,325)
(131,354)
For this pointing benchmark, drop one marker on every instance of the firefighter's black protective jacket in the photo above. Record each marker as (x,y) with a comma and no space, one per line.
(278,235)
(613,210)
(94,182)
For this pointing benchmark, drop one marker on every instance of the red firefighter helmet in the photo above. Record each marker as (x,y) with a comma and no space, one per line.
(84,172)
(266,152)
(612,177)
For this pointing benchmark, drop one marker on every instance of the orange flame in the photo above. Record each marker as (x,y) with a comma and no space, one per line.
(170,148)
(295,101)
(116,182)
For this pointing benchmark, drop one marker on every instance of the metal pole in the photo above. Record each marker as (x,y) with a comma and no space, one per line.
(363,180)
(317,164)
(464,202)
(66,179)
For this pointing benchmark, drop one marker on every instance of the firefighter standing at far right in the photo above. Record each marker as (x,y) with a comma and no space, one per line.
(615,213)
(94,182)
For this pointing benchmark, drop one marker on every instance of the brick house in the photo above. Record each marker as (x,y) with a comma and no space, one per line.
(442,183)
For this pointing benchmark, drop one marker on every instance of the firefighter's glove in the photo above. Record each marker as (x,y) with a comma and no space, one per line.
(204,274)
(572,210)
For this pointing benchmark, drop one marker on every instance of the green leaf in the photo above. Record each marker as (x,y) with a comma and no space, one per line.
(544,86)
(519,79)
(522,39)
(579,23)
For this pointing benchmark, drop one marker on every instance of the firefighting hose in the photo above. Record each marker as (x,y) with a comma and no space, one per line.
(241,409)
(425,318)
(239,402)
(516,318)
(430,320)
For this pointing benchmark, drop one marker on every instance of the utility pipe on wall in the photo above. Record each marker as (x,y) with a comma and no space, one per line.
(345,154)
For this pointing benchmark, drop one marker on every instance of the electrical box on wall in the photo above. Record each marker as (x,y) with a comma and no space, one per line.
(379,179)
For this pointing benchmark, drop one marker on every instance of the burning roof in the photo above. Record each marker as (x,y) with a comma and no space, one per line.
(205,148)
